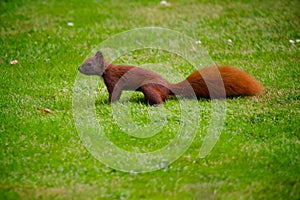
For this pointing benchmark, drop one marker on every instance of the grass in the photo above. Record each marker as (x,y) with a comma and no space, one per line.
(42,156)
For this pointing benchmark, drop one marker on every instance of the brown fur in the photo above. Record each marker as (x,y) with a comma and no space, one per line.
(208,82)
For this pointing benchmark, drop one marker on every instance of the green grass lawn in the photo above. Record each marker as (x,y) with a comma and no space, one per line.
(42,155)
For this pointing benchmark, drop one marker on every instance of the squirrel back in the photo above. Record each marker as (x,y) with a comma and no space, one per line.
(208,82)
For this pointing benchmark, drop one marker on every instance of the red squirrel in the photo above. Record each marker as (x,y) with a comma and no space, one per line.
(209,82)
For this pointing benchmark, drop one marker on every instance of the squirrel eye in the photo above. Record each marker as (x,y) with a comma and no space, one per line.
(89,64)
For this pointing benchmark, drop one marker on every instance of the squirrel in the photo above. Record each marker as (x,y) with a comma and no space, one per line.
(215,82)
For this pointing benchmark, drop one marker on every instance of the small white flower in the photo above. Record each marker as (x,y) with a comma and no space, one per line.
(229,40)
(164,3)
(198,42)
(292,41)
(298,40)
(70,24)
(13,62)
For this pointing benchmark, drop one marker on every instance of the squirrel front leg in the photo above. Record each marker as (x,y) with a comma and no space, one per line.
(115,94)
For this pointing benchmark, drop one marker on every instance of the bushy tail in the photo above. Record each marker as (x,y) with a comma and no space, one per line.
(217,83)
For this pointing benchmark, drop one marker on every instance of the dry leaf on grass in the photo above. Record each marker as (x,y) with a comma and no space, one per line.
(46,110)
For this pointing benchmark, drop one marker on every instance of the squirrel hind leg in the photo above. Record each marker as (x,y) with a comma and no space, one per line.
(153,95)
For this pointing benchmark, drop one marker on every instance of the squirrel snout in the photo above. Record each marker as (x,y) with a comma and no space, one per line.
(80,70)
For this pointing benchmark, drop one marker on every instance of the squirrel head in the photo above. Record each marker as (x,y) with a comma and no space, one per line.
(95,65)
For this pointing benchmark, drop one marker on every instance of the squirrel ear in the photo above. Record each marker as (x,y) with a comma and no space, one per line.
(99,54)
